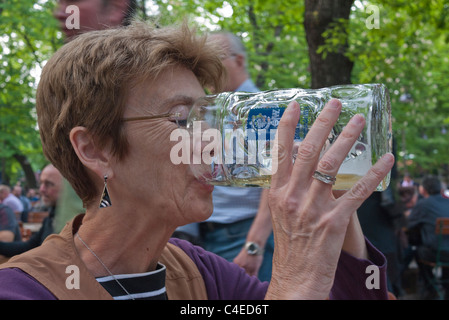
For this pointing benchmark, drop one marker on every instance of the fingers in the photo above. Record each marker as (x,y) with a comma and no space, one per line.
(354,198)
(334,157)
(283,145)
(310,148)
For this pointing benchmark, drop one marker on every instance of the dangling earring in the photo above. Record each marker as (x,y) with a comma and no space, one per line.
(105,200)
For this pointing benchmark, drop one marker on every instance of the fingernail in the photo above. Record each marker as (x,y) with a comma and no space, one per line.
(358,119)
(388,157)
(334,103)
(293,105)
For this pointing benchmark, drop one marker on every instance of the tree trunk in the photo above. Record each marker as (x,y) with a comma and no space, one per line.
(261,50)
(27,169)
(336,68)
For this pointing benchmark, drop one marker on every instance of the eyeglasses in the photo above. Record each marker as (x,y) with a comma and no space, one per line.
(172,116)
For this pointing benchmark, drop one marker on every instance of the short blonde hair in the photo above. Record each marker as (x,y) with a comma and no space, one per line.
(87,82)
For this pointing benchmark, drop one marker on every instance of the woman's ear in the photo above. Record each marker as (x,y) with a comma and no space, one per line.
(91,155)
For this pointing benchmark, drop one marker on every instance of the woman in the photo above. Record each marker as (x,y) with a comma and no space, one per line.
(106,104)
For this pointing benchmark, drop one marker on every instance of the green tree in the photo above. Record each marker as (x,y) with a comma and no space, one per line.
(408,52)
(272,32)
(29,36)
(405,46)
(328,67)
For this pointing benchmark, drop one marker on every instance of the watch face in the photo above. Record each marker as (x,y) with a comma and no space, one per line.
(252,248)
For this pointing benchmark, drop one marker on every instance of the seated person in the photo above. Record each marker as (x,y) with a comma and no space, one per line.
(9,227)
(10,200)
(17,191)
(50,185)
(422,219)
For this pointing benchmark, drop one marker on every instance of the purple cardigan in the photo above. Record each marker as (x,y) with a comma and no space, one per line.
(226,280)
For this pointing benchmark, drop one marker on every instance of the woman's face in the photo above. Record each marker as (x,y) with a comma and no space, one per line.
(147,176)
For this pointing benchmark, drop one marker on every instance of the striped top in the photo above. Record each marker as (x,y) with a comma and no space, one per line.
(141,286)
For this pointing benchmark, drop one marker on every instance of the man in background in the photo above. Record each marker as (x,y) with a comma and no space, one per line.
(9,227)
(10,200)
(239,229)
(50,187)
(18,192)
(423,217)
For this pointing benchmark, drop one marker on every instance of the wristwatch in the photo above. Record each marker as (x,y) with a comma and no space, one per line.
(253,249)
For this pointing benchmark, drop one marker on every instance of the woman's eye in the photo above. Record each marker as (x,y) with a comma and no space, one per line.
(180,114)
(179,121)
(182,123)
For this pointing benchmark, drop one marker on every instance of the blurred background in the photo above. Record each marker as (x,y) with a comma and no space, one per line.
(308,44)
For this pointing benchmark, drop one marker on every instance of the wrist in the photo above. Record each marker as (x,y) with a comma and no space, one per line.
(285,285)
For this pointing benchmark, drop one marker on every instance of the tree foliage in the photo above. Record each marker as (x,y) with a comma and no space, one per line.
(405,46)
(406,50)
(272,32)
(29,37)
(409,54)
